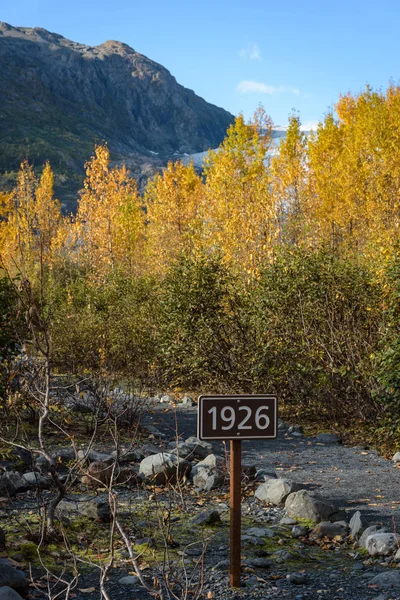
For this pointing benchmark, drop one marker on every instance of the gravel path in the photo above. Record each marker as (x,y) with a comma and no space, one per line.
(352,477)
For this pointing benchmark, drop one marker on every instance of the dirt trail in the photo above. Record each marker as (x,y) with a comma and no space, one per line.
(354,478)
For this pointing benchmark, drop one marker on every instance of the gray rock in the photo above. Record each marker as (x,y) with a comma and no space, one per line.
(297,578)
(63,455)
(382,544)
(187,401)
(42,463)
(208,479)
(127,456)
(260,532)
(265,474)
(12,482)
(287,521)
(259,563)
(129,580)
(154,431)
(295,429)
(356,525)
(37,480)
(200,448)
(388,579)
(222,565)
(397,556)
(328,438)
(369,531)
(299,531)
(13,578)
(250,540)
(166,399)
(309,505)
(96,509)
(330,530)
(7,593)
(275,491)
(281,425)
(163,467)
(207,474)
(396,457)
(94,456)
(207,517)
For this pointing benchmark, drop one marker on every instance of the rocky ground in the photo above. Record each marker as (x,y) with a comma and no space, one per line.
(288,486)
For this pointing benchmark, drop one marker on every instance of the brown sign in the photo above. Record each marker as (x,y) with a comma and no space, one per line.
(237,417)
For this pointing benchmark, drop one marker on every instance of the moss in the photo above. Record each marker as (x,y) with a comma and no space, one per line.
(29,550)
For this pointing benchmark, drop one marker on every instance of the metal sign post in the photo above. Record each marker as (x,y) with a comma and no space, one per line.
(236,418)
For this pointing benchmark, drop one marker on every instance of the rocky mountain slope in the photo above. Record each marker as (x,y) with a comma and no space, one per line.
(58,98)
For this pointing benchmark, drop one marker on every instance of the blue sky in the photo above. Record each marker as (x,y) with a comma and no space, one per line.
(285,54)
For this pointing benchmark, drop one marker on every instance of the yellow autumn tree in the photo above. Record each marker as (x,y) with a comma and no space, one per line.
(289,177)
(109,220)
(239,214)
(173,201)
(30,222)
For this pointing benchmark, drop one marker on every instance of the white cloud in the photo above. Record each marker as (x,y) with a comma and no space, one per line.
(252,52)
(257,87)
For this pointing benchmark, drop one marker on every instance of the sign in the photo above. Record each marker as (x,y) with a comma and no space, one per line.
(236,417)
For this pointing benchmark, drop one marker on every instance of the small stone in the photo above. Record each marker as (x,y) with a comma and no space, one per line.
(259,563)
(287,521)
(265,474)
(328,438)
(260,532)
(166,399)
(222,565)
(163,467)
(295,429)
(207,517)
(129,580)
(297,578)
(299,531)
(330,530)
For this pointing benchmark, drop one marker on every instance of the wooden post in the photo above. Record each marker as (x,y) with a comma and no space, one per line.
(235,502)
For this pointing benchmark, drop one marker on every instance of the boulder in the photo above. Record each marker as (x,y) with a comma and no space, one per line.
(199,448)
(396,457)
(37,481)
(99,475)
(369,531)
(7,593)
(382,544)
(207,517)
(162,468)
(96,509)
(356,525)
(299,531)
(12,482)
(275,491)
(127,456)
(330,530)
(388,579)
(94,456)
(309,505)
(207,474)
(187,401)
(13,578)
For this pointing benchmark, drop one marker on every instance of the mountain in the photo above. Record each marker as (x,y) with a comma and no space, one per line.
(58,98)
